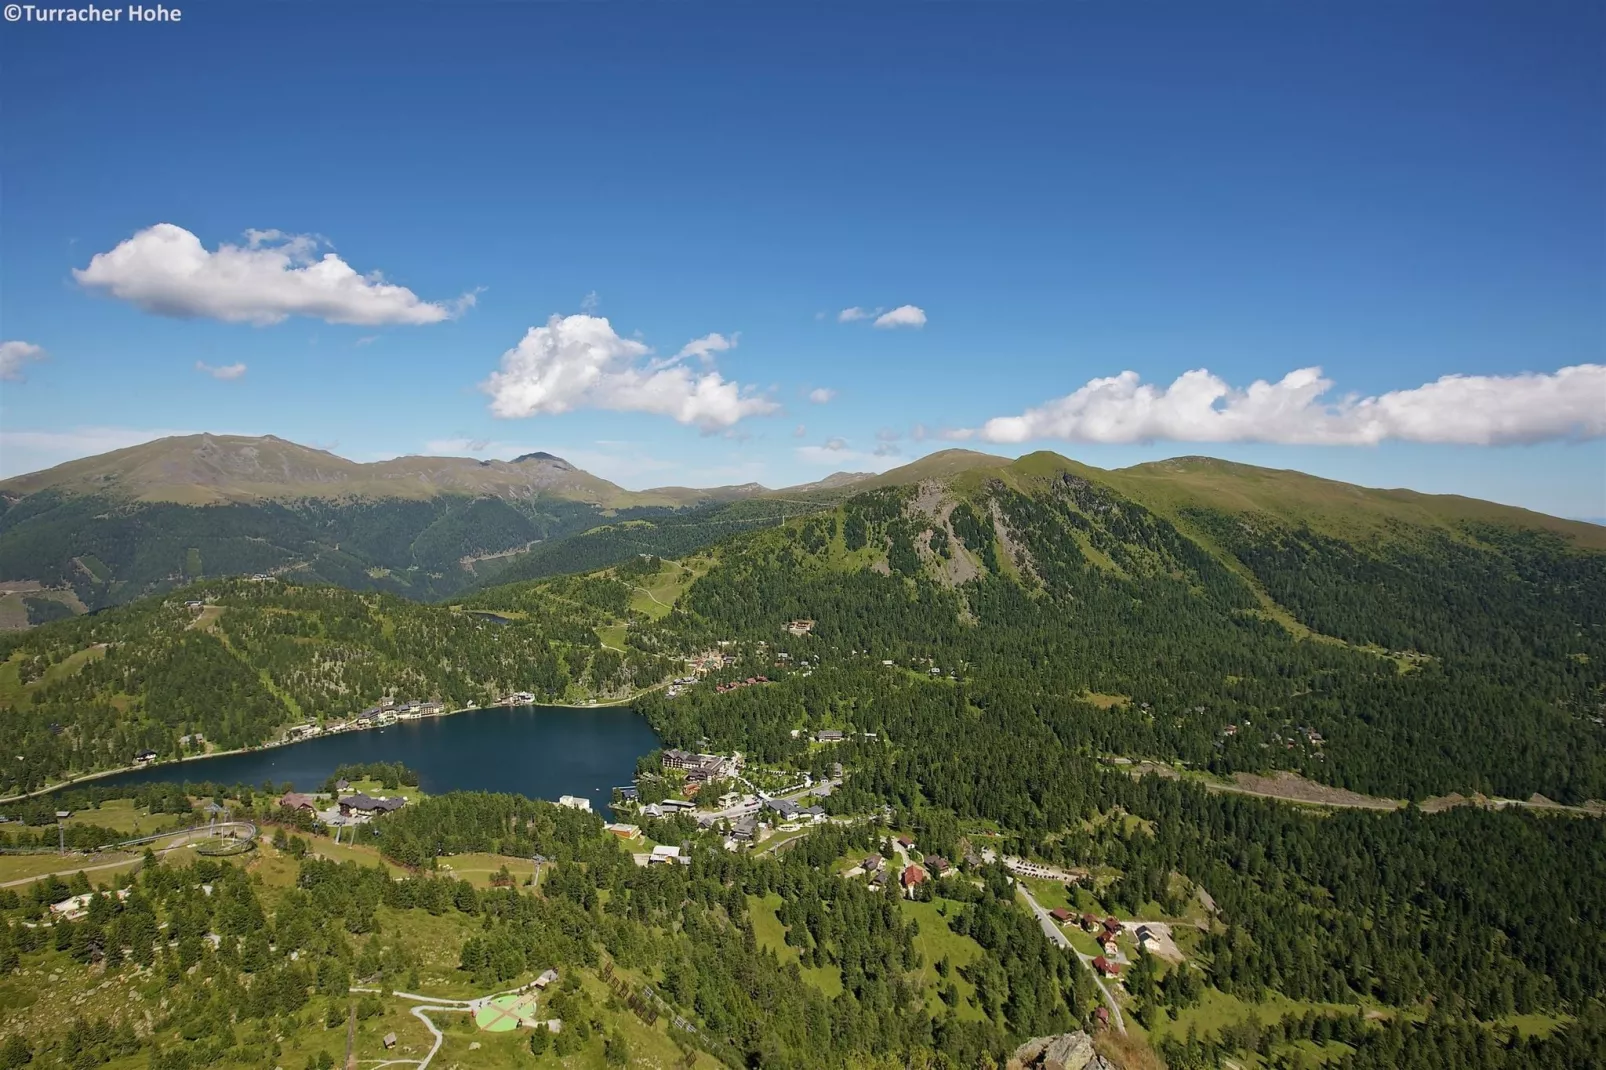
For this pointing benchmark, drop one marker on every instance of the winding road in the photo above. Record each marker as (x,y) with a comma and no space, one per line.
(1053,932)
(244,830)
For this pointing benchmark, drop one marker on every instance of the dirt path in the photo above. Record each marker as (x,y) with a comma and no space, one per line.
(1291,787)
(187,837)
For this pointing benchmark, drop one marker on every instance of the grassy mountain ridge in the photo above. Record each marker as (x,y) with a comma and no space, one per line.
(213,469)
(103,530)
(1445,657)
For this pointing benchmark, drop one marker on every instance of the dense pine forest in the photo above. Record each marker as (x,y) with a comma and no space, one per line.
(1073,608)
(109,552)
(238,661)
(1002,651)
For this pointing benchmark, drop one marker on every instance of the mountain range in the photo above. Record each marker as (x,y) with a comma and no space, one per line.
(104,530)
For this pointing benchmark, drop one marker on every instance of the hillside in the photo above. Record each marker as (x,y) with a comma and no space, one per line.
(998,646)
(1463,651)
(214,469)
(105,530)
(238,661)
(1231,618)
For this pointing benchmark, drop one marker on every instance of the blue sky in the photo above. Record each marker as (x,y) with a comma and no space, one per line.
(1053,195)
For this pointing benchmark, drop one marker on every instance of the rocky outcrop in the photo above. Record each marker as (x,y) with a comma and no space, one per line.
(1064,1051)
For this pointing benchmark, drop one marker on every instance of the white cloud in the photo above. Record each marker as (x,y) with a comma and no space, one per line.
(836,454)
(225,372)
(590,302)
(166,270)
(13,355)
(450,447)
(800,431)
(705,347)
(1480,410)
(887,449)
(902,316)
(366,340)
(579,362)
(850,315)
(820,395)
(888,434)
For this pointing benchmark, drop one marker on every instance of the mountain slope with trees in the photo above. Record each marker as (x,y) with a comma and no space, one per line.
(86,694)
(1469,655)
(152,517)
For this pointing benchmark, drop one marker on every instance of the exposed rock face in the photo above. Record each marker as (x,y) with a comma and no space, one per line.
(1066,1051)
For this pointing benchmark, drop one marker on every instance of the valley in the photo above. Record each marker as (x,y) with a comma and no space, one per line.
(1235,736)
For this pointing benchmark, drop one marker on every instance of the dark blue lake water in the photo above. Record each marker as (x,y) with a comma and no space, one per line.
(539,751)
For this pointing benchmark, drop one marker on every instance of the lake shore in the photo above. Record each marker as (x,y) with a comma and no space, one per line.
(88,779)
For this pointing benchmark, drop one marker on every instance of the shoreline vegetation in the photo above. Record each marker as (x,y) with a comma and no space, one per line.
(100,774)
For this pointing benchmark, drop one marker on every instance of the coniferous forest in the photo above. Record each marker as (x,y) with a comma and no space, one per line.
(1030,664)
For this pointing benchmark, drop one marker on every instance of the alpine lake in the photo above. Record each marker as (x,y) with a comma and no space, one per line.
(542,752)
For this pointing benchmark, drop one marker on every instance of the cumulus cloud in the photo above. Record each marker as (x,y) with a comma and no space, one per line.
(579,362)
(902,316)
(1298,409)
(166,270)
(837,453)
(226,372)
(820,395)
(13,355)
(705,347)
(851,315)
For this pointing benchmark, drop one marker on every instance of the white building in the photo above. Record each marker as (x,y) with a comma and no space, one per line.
(575,802)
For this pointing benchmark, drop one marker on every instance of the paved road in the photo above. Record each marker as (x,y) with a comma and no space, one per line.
(742,809)
(186,837)
(1053,932)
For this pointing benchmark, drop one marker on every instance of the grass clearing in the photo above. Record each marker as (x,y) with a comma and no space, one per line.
(13,692)
(27,867)
(612,636)
(770,933)
(121,815)
(479,868)
(1216,1010)
(936,941)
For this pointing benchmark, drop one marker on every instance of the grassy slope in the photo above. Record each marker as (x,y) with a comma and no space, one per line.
(770,933)
(1342,510)
(936,941)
